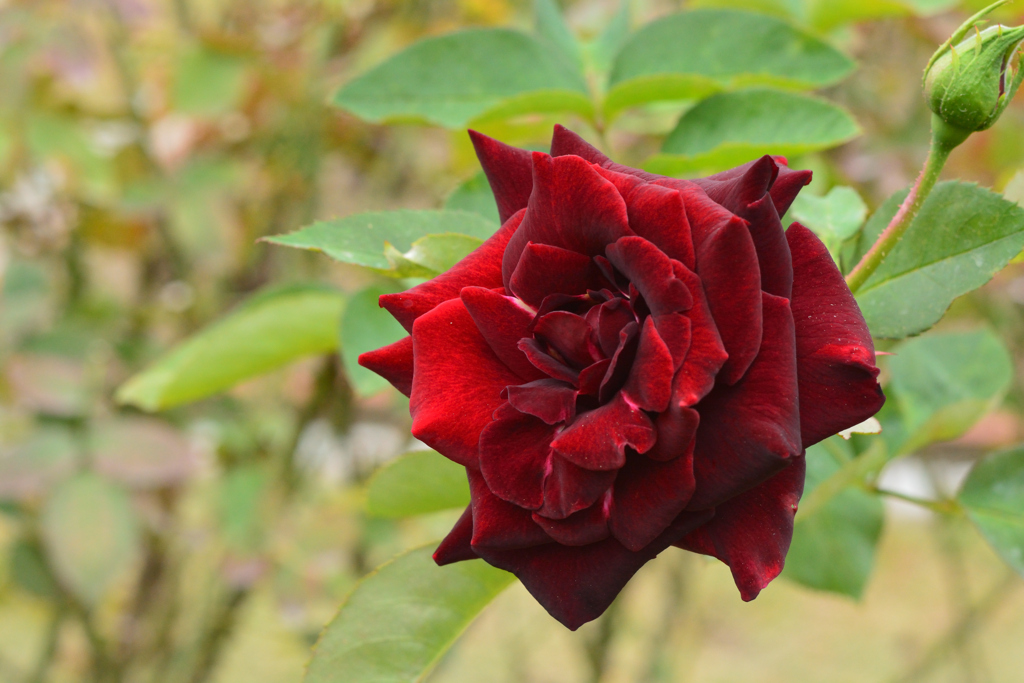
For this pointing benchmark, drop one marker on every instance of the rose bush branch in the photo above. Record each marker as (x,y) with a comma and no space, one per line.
(968,83)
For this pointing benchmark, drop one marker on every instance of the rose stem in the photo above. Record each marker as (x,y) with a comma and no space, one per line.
(945,139)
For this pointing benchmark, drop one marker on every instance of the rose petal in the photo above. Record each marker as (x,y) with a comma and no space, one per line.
(498,525)
(514,450)
(651,272)
(607,320)
(481,268)
(580,528)
(706,354)
(509,171)
(728,269)
(455,546)
(675,330)
(597,439)
(649,386)
(457,382)
(835,354)
(550,400)
(622,362)
(392,362)
(570,335)
(657,214)
(677,429)
(503,323)
(576,585)
(569,488)
(544,270)
(571,207)
(751,430)
(751,533)
(648,495)
(787,186)
(739,187)
(543,361)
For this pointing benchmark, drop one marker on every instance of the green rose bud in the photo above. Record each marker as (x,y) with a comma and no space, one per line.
(971,79)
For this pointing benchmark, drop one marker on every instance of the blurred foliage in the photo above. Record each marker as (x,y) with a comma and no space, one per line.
(146,147)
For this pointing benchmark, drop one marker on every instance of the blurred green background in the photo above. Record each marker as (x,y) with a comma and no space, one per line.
(147,145)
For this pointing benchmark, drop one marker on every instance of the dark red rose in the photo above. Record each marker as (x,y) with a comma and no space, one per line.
(631,362)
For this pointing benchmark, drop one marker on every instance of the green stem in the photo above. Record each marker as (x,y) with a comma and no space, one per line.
(945,139)
(943,507)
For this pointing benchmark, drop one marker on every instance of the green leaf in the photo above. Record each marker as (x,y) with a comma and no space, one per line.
(415,484)
(612,38)
(826,15)
(474,195)
(693,54)
(207,82)
(269,331)
(551,26)
(362,238)
(430,255)
(479,74)
(963,235)
(944,382)
(785,9)
(90,533)
(729,129)
(402,618)
(834,549)
(993,496)
(366,326)
(834,218)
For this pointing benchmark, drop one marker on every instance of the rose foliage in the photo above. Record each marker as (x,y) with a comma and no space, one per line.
(631,362)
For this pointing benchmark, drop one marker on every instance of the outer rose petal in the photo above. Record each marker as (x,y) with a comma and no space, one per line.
(835,354)
(576,584)
(498,525)
(392,362)
(740,187)
(457,382)
(656,213)
(502,322)
(571,207)
(509,171)
(481,268)
(751,533)
(787,186)
(455,547)
(749,431)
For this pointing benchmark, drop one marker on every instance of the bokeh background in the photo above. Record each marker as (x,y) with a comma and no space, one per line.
(146,146)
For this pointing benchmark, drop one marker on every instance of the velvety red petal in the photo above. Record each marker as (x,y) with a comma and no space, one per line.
(651,272)
(787,186)
(457,382)
(657,214)
(503,323)
(674,329)
(544,270)
(677,429)
(576,585)
(571,207)
(570,335)
(607,320)
(481,268)
(392,362)
(550,400)
(728,269)
(739,187)
(513,456)
(622,362)
(649,386)
(498,524)
(544,362)
(835,354)
(751,430)
(569,488)
(648,495)
(509,171)
(564,142)
(580,528)
(455,546)
(592,377)
(706,354)
(597,439)
(772,249)
(751,533)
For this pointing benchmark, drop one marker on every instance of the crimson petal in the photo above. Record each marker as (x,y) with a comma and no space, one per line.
(751,430)
(550,400)
(751,533)
(571,207)
(649,386)
(677,429)
(513,455)
(455,547)
(657,214)
(597,439)
(544,362)
(580,528)
(543,270)
(569,334)
(509,171)
(706,354)
(651,272)
(456,384)
(392,362)
(576,584)
(569,488)
(648,496)
(481,268)
(498,524)
(835,354)
(502,322)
